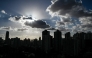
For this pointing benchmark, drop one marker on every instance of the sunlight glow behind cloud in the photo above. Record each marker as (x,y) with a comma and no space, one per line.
(34,12)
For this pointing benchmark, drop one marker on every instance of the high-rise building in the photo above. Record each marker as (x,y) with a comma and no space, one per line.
(7,35)
(57,41)
(67,35)
(76,44)
(1,41)
(40,42)
(46,40)
(68,44)
(79,42)
(7,39)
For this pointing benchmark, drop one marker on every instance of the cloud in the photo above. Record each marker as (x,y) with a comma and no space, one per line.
(27,18)
(13,29)
(37,24)
(87,26)
(15,18)
(59,23)
(68,8)
(66,19)
(20,29)
(67,11)
(63,29)
(5,28)
(2,11)
(76,28)
(32,23)
(86,20)
(50,29)
(86,23)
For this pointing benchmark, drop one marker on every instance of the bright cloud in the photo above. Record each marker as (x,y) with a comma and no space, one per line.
(2,11)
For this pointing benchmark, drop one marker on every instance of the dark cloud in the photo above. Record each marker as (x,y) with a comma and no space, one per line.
(82,13)
(17,18)
(69,7)
(66,19)
(37,24)
(86,26)
(51,22)
(61,5)
(28,18)
(60,23)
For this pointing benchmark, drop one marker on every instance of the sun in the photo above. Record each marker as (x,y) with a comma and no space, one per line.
(34,14)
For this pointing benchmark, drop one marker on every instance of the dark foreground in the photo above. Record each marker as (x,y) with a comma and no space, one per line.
(30,52)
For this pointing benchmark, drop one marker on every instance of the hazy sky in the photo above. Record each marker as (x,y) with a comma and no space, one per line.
(28,18)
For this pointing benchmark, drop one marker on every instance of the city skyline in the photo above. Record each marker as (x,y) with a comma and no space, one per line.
(7,35)
(55,32)
(78,45)
(28,18)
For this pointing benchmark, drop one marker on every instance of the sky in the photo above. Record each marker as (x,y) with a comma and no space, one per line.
(28,18)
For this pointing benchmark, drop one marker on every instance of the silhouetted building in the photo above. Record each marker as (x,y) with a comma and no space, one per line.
(88,40)
(26,42)
(67,35)
(79,43)
(68,44)
(40,42)
(15,42)
(7,39)
(36,43)
(76,44)
(88,35)
(46,40)
(82,40)
(51,42)
(1,41)
(7,35)
(57,41)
